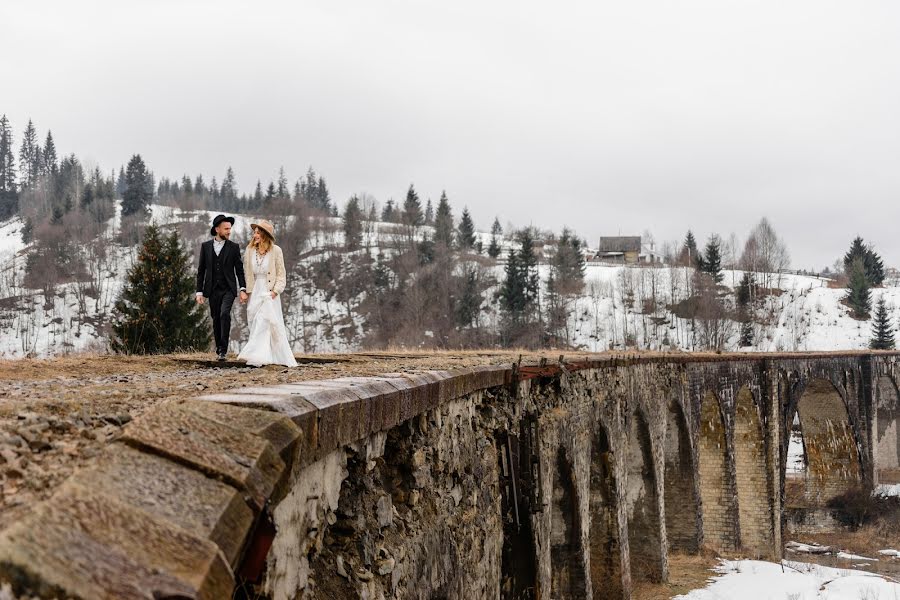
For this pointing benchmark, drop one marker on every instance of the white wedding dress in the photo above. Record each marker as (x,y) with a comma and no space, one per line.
(268,343)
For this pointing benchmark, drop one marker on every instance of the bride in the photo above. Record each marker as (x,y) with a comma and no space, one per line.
(264,267)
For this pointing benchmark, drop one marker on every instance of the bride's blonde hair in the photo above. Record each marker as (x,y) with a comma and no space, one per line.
(265,242)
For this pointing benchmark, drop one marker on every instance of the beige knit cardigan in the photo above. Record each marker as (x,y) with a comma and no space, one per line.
(276,278)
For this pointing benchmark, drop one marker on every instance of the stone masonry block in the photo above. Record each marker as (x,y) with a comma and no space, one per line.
(239,458)
(278,429)
(294,407)
(178,494)
(83,544)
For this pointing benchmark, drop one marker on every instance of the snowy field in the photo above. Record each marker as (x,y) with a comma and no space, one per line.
(760,580)
(621,308)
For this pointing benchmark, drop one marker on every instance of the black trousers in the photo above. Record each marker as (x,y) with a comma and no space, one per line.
(220,308)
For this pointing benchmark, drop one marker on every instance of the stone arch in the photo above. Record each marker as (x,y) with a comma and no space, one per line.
(606,557)
(680,492)
(642,507)
(887,431)
(830,446)
(566,556)
(751,477)
(715,480)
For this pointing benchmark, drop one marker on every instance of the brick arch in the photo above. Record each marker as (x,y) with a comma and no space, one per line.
(716,497)
(887,431)
(606,557)
(752,476)
(830,443)
(568,579)
(641,504)
(680,491)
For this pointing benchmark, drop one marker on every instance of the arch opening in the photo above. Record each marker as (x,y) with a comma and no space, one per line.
(832,456)
(751,477)
(715,482)
(566,557)
(644,540)
(682,510)
(606,560)
(796,465)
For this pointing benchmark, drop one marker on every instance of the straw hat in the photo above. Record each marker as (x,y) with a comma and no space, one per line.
(266,226)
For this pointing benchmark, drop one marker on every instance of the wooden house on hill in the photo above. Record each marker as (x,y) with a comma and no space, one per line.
(624,249)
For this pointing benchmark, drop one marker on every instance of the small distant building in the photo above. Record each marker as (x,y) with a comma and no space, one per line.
(623,249)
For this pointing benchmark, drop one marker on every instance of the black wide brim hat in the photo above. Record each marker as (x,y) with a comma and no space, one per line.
(217,220)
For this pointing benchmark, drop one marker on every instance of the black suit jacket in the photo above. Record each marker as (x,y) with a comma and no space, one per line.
(231,263)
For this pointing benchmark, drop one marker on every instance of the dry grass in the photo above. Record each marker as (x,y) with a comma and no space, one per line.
(686,572)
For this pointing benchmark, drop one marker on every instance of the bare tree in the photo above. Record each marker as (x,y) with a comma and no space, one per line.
(765,253)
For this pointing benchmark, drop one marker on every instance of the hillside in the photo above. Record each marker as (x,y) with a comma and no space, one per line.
(619,307)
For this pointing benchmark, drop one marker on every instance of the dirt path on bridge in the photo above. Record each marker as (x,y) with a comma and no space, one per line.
(56,414)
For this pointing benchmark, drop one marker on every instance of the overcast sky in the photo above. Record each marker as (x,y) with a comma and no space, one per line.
(610,117)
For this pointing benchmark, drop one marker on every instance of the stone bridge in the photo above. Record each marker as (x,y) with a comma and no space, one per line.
(567,478)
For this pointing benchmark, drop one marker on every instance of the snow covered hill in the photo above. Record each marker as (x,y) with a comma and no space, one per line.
(620,307)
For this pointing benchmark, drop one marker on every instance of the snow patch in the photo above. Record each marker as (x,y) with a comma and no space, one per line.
(761,580)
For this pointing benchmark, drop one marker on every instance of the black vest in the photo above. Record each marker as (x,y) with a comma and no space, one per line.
(219,281)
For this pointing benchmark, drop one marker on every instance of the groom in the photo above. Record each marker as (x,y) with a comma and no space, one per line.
(220,264)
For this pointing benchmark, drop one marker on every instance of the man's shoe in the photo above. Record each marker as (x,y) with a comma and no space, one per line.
(221,357)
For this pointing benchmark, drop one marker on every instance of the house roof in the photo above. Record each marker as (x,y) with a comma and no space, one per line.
(628,243)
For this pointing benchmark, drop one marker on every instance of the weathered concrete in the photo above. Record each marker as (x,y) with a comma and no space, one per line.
(554,480)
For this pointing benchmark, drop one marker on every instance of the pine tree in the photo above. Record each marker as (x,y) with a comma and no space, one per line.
(388,213)
(690,253)
(519,293)
(29,157)
(567,264)
(352,224)
(429,213)
(412,209)
(494,247)
(711,263)
(282,190)
(258,194)
(443,222)
(137,196)
(323,196)
(468,306)
(512,294)
(882,328)
(496,228)
(744,296)
(120,183)
(228,190)
(858,295)
(9,198)
(271,192)
(87,196)
(746,289)
(48,154)
(466,233)
(156,312)
(199,186)
(874,267)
